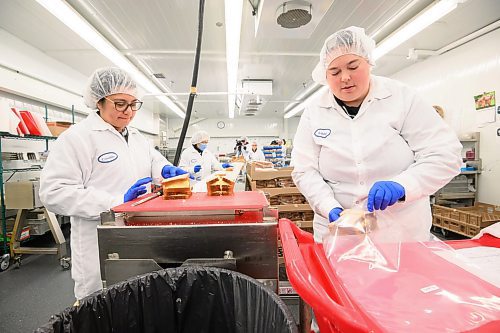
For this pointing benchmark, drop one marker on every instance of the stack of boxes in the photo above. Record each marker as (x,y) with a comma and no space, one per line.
(466,221)
(282,193)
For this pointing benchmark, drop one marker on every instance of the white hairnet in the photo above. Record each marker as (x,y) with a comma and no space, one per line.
(108,81)
(199,136)
(352,40)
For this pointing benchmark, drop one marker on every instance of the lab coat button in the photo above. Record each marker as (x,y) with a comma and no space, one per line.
(361,183)
(357,202)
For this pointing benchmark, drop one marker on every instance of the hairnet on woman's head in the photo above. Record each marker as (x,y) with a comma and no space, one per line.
(352,40)
(108,81)
(199,136)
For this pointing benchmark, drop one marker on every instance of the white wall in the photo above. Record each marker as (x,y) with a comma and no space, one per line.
(262,130)
(31,74)
(452,80)
(291,124)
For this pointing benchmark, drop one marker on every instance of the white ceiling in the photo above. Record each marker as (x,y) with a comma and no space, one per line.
(159,36)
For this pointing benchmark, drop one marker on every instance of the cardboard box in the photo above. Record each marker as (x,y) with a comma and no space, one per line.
(267,173)
(22,195)
(57,127)
(294,208)
(272,191)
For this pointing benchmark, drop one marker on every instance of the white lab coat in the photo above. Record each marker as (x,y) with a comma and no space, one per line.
(395,136)
(257,155)
(88,171)
(191,157)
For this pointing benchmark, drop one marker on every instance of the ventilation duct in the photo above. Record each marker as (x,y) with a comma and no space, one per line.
(294,14)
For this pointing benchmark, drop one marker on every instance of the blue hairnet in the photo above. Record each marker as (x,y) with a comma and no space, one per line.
(108,81)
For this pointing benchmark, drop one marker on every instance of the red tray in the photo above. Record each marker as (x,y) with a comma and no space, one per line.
(340,309)
(198,202)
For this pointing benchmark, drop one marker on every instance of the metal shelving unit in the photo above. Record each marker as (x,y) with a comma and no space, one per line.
(463,196)
(7,252)
(462,190)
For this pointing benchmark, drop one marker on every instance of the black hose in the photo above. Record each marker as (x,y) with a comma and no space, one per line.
(192,93)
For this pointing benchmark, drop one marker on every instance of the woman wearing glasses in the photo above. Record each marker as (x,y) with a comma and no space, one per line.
(97,164)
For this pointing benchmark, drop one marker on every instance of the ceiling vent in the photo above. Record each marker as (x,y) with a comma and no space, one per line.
(294,14)
(159,75)
(255,102)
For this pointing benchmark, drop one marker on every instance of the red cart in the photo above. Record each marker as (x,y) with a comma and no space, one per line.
(340,307)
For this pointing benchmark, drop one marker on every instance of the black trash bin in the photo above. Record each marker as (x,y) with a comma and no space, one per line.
(184,299)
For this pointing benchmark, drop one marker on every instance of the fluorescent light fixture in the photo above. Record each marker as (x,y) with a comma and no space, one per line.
(394,18)
(302,105)
(416,25)
(233,11)
(87,32)
(305,92)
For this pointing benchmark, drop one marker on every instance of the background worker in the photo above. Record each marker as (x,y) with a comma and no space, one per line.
(371,140)
(198,160)
(255,154)
(241,148)
(97,164)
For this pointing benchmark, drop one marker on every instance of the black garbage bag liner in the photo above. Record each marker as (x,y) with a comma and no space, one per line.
(179,300)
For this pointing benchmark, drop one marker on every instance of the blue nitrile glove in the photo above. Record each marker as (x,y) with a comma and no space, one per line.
(137,189)
(334,214)
(197,168)
(170,171)
(227,165)
(384,194)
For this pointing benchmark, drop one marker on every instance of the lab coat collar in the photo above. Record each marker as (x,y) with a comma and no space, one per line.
(378,90)
(98,124)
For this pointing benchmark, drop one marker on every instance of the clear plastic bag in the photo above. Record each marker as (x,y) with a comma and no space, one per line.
(354,236)
(407,285)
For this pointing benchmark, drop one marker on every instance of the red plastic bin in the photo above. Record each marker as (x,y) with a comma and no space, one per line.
(336,310)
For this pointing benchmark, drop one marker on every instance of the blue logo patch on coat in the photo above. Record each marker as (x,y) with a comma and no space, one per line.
(322,132)
(107,157)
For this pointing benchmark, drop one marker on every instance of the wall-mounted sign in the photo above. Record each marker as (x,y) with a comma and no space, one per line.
(485,107)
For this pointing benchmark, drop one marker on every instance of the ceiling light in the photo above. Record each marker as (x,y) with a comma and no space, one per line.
(394,18)
(304,93)
(87,32)
(419,23)
(296,109)
(233,11)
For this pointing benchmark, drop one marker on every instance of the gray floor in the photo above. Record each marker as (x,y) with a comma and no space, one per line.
(29,295)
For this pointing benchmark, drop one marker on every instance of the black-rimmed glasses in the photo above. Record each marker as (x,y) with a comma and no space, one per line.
(122,106)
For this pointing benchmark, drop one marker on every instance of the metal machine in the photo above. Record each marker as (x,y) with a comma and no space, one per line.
(238,232)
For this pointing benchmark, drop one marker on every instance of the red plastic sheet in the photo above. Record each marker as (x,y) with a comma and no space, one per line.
(348,298)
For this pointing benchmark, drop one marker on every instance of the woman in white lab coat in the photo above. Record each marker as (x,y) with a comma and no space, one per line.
(256,154)
(97,164)
(198,160)
(370,142)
